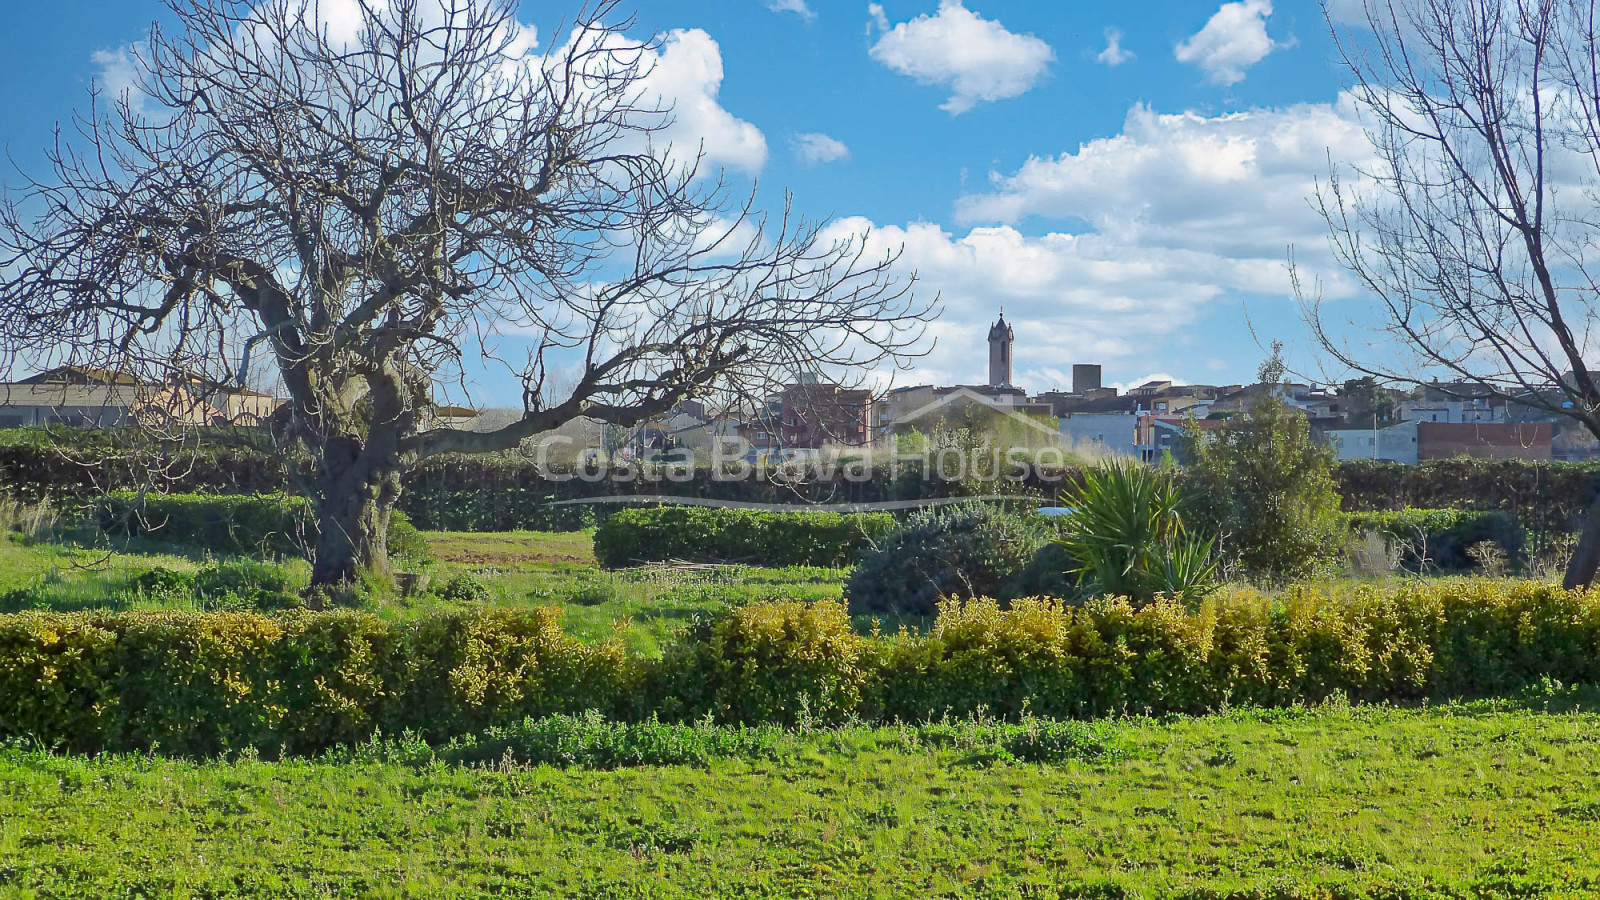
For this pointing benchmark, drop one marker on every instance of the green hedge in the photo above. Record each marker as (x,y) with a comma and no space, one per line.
(206,683)
(714,534)
(234,523)
(1442,537)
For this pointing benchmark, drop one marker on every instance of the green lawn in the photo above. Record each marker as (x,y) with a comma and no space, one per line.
(526,568)
(1475,801)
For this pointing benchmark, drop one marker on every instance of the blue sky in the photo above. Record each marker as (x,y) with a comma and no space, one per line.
(1127,214)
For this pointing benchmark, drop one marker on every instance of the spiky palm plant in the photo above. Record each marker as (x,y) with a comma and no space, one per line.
(1126,532)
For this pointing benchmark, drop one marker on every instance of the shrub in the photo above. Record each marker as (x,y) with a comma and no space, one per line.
(785,661)
(404,541)
(970,550)
(235,523)
(1129,539)
(1048,574)
(468,670)
(161,583)
(713,534)
(1443,538)
(225,523)
(1266,490)
(207,683)
(464,588)
(590,741)
(246,584)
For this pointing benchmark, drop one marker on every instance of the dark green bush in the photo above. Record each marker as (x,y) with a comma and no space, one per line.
(1442,538)
(1264,488)
(465,588)
(161,583)
(279,524)
(405,542)
(971,550)
(1048,574)
(246,584)
(714,534)
(225,523)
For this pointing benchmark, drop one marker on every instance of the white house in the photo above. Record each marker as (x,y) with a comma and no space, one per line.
(1396,443)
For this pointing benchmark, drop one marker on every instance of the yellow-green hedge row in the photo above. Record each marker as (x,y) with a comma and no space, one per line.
(194,683)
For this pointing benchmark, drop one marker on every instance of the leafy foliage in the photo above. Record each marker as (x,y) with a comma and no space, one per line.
(712,534)
(463,589)
(1127,533)
(234,523)
(1266,489)
(1442,538)
(208,683)
(784,661)
(970,550)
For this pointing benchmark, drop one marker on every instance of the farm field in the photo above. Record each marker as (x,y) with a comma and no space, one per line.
(1484,800)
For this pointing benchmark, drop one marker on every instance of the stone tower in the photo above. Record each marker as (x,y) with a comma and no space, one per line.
(1001,337)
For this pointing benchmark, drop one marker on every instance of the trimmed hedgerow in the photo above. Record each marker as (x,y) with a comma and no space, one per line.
(1442,538)
(206,683)
(235,523)
(714,534)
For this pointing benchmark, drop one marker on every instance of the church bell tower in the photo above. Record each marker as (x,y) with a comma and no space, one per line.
(1001,337)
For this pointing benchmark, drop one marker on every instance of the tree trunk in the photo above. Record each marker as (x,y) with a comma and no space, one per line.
(1586,559)
(358,495)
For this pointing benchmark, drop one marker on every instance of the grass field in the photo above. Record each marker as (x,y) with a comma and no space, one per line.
(1490,800)
(643,605)
(1483,800)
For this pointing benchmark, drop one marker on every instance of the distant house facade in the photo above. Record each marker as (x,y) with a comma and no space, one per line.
(94,398)
(1392,443)
(1114,432)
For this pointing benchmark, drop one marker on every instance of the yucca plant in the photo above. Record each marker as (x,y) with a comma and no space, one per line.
(1126,532)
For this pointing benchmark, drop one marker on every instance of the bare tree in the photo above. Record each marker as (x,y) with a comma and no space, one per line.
(1476,227)
(374,204)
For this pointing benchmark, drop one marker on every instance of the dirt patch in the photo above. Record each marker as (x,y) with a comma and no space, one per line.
(487,550)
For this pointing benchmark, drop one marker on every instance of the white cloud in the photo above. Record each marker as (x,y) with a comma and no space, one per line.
(814,148)
(1071,298)
(1235,184)
(117,76)
(1130,384)
(799,7)
(1348,12)
(1232,41)
(977,58)
(1114,54)
(1188,215)
(687,75)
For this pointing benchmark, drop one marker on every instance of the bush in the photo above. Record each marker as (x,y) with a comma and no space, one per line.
(970,550)
(1442,538)
(225,523)
(1266,490)
(463,589)
(1127,534)
(209,683)
(235,523)
(713,534)
(404,541)
(784,661)
(245,584)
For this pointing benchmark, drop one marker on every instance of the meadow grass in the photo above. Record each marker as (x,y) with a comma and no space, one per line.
(1483,800)
(641,606)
